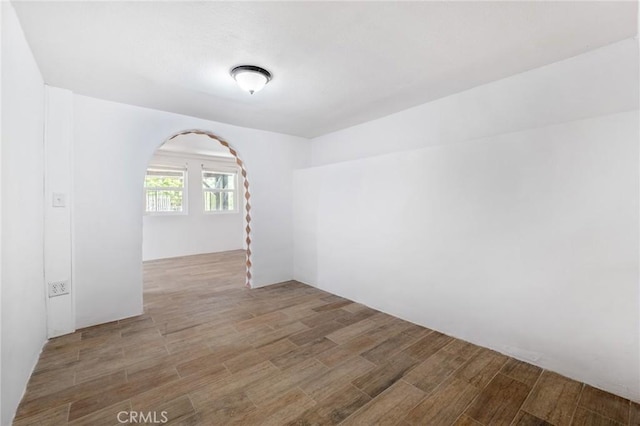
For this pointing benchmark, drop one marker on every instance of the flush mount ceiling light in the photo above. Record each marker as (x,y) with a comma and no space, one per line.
(251,78)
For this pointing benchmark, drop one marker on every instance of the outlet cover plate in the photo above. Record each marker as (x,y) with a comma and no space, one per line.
(59,288)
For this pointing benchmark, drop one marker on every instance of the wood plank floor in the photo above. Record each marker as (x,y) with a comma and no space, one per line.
(207,351)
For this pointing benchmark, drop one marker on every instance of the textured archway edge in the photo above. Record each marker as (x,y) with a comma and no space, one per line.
(247,194)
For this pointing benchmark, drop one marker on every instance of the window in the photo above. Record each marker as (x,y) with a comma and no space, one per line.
(164,190)
(219,190)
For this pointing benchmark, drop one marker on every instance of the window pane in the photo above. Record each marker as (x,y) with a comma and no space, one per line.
(211,201)
(217,180)
(164,201)
(164,179)
(151,200)
(219,201)
(230,201)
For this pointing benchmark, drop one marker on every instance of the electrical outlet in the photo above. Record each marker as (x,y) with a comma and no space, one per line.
(58,288)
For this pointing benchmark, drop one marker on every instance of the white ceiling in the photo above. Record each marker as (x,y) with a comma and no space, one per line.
(335,64)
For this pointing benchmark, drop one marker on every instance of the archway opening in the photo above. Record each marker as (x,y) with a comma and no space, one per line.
(217,190)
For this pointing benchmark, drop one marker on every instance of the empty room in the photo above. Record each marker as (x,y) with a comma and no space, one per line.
(320,213)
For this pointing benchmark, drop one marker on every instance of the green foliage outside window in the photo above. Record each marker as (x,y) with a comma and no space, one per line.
(164,191)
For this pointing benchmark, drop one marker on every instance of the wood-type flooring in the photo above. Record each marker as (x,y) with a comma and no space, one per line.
(208,351)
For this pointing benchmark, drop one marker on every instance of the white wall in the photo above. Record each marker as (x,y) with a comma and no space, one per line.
(524,241)
(57,219)
(113,144)
(599,82)
(194,231)
(23,297)
(1,136)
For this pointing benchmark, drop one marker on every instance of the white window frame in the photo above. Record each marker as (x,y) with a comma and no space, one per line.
(234,190)
(184,191)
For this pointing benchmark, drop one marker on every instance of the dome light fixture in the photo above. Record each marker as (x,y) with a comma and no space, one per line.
(251,78)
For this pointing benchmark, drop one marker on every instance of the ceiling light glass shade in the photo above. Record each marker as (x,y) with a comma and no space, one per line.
(251,78)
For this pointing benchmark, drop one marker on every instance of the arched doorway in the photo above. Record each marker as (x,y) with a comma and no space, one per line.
(245,187)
